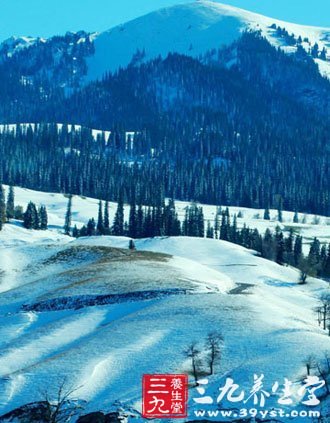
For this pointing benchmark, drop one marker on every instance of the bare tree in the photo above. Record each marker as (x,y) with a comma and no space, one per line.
(323,311)
(305,269)
(310,364)
(321,369)
(61,407)
(324,374)
(303,275)
(327,361)
(193,353)
(213,345)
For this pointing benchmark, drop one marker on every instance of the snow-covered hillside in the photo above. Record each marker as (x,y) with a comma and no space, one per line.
(93,312)
(208,285)
(191,29)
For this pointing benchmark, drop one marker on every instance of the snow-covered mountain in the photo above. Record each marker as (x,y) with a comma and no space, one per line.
(193,29)
(13,45)
(61,58)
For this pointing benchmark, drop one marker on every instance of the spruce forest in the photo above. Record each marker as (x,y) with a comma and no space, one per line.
(201,131)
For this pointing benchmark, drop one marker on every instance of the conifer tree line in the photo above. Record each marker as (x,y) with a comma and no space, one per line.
(33,217)
(224,138)
(162,220)
(313,50)
(143,222)
(79,165)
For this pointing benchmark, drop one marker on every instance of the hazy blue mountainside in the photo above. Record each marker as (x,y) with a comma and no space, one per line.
(61,60)
(238,125)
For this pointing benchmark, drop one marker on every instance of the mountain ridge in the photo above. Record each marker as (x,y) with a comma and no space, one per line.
(192,29)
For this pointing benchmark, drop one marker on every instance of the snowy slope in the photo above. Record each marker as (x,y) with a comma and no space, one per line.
(195,285)
(191,29)
(100,348)
(83,344)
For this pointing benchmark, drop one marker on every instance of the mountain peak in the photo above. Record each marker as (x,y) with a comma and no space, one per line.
(192,29)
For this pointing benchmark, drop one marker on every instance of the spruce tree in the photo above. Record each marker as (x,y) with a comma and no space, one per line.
(296,217)
(10,209)
(176,226)
(280,211)
(28,217)
(297,251)
(233,231)
(314,255)
(43,217)
(256,241)
(131,245)
(147,227)
(323,258)
(167,219)
(37,217)
(289,246)
(132,223)
(224,228)
(2,207)
(268,246)
(216,225)
(209,230)
(158,223)
(91,227)
(68,217)
(326,267)
(118,223)
(139,222)
(185,223)
(323,54)
(83,231)
(19,213)
(280,249)
(201,224)
(267,214)
(31,218)
(100,222)
(106,218)
(75,232)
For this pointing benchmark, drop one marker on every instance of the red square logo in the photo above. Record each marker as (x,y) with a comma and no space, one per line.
(165,396)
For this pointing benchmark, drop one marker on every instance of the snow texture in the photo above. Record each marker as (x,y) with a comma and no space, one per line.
(267,320)
(191,29)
